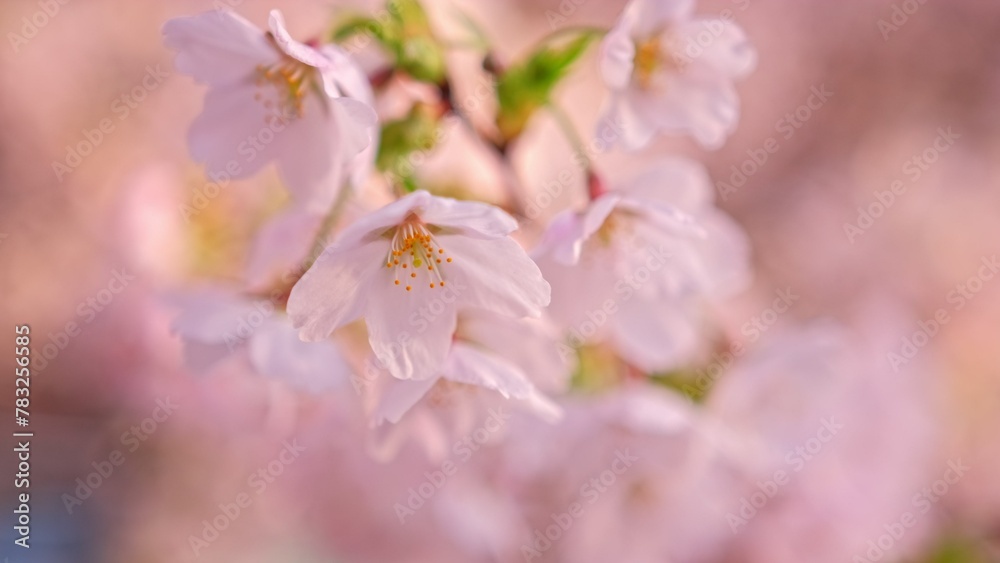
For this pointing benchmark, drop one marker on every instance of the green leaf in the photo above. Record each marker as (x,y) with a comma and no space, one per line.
(527,86)
(358,25)
(404,31)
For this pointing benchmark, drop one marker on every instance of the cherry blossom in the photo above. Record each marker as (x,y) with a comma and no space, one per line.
(407,268)
(671,72)
(271,98)
(638,264)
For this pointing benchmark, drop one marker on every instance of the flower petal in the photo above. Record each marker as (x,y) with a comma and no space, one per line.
(218,47)
(495,275)
(704,104)
(470,218)
(581,288)
(655,334)
(398,397)
(531,345)
(469,365)
(622,122)
(373,224)
(728,51)
(236,132)
(281,245)
(597,213)
(298,51)
(617,58)
(329,295)
(315,165)
(676,181)
(215,315)
(276,351)
(563,238)
(343,77)
(411,346)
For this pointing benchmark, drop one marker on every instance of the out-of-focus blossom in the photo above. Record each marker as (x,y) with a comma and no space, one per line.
(281,248)
(493,363)
(217,323)
(815,405)
(407,269)
(637,263)
(670,72)
(647,482)
(271,98)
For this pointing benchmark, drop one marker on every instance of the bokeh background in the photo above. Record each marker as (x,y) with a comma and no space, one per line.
(65,238)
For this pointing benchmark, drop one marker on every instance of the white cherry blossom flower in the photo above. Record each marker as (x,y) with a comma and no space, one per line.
(670,72)
(638,264)
(271,98)
(407,269)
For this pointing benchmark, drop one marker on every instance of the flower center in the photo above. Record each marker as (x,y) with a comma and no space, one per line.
(290,80)
(650,58)
(617,226)
(413,251)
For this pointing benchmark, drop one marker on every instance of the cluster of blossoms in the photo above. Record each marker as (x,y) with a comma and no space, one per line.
(460,256)
(589,326)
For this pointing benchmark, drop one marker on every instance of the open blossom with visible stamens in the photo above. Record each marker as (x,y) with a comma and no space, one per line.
(669,72)
(407,269)
(636,266)
(272,98)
